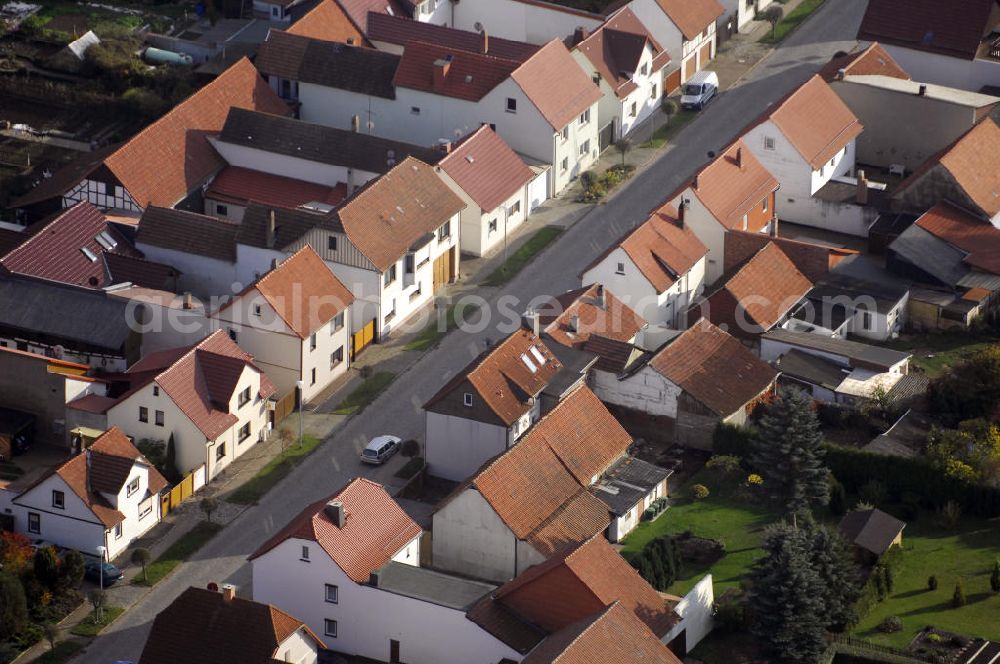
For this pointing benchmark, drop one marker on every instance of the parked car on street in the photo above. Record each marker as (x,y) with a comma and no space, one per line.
(97,571)
(699,90)
(380,448)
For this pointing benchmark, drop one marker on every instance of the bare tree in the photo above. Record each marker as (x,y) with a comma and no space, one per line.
(624,146)
(772,15)
(208,505)
(141,557)
(98,599)
(51,634)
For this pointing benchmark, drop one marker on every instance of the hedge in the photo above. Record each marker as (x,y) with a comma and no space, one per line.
(732,440)
(888,565)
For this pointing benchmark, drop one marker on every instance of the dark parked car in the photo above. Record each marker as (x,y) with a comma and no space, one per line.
(92,570)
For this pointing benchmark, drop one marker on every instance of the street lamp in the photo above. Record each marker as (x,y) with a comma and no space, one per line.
(301,387)
(100,566)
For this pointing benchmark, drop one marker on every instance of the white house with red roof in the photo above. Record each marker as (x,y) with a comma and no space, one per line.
(295,321)
(521,20)
(210,399)
(107,495)
(349,566)
(498,188)
(657,269)
(686,29)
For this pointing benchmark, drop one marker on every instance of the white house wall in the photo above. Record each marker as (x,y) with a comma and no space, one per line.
(201,275)
(645,391)
(102,195)
(695,611)
(134,525)
(661,27)
(456,447)
(510,19)
(299,648)
(945,70)
(189,441)
(74,527)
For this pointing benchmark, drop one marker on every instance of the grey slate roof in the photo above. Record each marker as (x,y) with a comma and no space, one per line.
(319,143)
(72,316)
(431,586)
(188,232)
(811,369)
(330,64)
(627,482)
(930,254)
(872,530)
(860,355)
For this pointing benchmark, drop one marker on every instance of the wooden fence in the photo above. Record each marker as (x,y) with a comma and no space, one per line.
(183,490)
(284,407)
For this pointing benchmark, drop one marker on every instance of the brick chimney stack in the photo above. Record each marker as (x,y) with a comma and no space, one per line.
(441,68)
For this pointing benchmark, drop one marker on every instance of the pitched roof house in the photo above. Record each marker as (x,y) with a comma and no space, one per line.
(80,247)
(814,261)
(209,627)
(872,530)
(391,33)
(657,268)
(328,21)
(295,321)
(107,495)
(234,188)
(170,158)
(871,61)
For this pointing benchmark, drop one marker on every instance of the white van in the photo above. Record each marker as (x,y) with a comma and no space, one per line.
(699,90)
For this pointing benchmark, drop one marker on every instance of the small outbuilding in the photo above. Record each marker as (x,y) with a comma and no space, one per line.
(872,530)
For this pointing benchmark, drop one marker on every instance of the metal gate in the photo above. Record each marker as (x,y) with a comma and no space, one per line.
(607,135)
(362,338)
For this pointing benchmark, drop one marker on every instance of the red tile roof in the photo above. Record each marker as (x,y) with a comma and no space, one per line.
(731,185)
(392,212)
(692,16)
(485,167)
(359,10)
(980,240)
(613,634)
(235,184)
(327,21)
(375,529)
(613,319)
(401,30)
(55,252)
(556,84)
(714,368)
(303,292)
(765,288)
(202,627)
(579,582)
(815,121)
(165,161)
(974,162)
(501,378)
(615,49)
(814,261)
(468,76)
(954,28)
(873,60)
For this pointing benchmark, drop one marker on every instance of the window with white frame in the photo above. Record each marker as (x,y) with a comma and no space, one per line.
(257,310)
(763,205)
(336,357)
(585,148)
(133,486)
(244,397)
(304,555)
(220,451)
(312,376)
(58,500)
(145,507)
(564,166)
(390,275)
(118,530)
(769,142)
(332,593)
(312,341)
(585,117)
(158,418)
(445,231)
(511,105)
(34,522)
(492,228)
(514,209)
(330,628)
(244,433)
(467,398)
(143,414)
(338,323)
(620,268)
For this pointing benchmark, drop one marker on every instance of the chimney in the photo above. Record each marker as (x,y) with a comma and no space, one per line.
(694,182)
(188,301)
(441,68)
(335,510)
(579,34)
(574,323)
(532,321)
(444,146)
(374,578)
(680,213)
(601,301)
(213,586)
(485,48)
(228,592)
(739,157)
(271,228)
(922,90)
(356,124)
(841,73)
(861,196)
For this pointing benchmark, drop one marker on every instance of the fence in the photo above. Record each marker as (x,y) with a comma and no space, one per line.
(284,407)
(848,645)
(183,490)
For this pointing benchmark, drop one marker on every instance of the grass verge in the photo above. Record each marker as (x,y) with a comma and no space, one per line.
(63,652)
(515,263)
(275,470)
(177,553)
(669,130)
(433,333)
(365,393)
(410,468)
(793,20)
(91,626)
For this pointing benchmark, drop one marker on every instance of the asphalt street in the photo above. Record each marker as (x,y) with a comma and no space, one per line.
(398,410)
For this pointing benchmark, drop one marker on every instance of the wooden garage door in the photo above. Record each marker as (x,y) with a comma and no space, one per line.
(672,81)
(690,67)
(362,338)
(443,268)
(706,53)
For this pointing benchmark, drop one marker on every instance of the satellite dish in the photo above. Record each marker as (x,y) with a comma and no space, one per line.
(58,351)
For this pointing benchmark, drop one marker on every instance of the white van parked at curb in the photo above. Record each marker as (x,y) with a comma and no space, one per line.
(699,90)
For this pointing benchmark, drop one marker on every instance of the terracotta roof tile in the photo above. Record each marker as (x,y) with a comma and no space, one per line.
(239,185)
(732,184)
(613,319)
(392,212)
(556,84)
(955,28)
(581,581)
(501,622)
(613,634)
(327,21)
(469,76)
(359,10)
(375,529)
(615,48)
(171,157)
(979,239)
(814,261)
(485,167)
(767,286)
(400,30)
(974,161)
(502,379)
(692,16)
(715,368)
(873,60)
(188,232)
(303,292)
(202,627)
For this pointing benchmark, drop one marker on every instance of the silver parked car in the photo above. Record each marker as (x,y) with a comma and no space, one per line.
(380,448)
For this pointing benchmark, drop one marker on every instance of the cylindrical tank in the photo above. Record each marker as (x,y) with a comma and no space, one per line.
(158,56)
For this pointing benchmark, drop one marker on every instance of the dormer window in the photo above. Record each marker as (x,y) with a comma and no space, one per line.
(528,363)
(538,355)
(467,399)
(133,486)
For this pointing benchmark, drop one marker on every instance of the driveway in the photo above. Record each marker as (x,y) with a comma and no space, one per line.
(223,560)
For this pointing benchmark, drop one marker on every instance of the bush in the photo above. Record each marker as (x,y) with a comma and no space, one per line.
(970,390)
(725,464)
(143,102)
(932,582)
(838,498)
(658,562)
(729,613)
(732,440)
(890,625)
(958,598)
(873,493)
(699,491)
(594,193)
(949,515)
(588,178)
(934,637)
(995,576)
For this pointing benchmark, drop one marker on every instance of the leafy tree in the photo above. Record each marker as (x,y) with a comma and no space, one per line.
(71,570)
(670,108)
(958,598)
(208,505)
(141,557)
(995,576)
(772,15)
(726,464)
(46,567)
(787,452)
(13,606)
(15,552)
(970,390)
(624,146)
(970,453)
(98,599)
(410,448)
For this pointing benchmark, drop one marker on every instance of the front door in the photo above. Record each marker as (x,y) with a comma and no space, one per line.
(443,267)
(394,652)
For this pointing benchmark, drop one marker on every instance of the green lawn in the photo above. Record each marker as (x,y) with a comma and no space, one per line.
(967,552)
(791,21)
(63,652)
(365,393)
(670,129)
(90,626)
(177,553)
(720,516)
(432,334)
(516,262)
(275,470)
(937,353)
